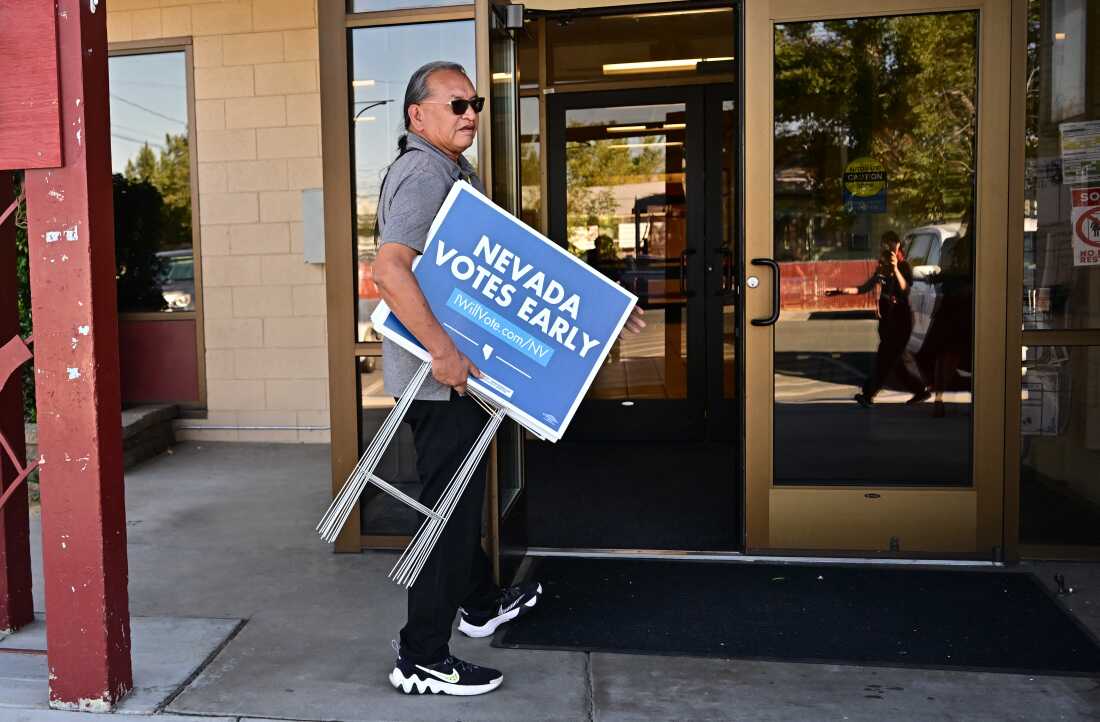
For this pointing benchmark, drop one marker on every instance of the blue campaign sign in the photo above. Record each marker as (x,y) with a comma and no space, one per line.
(535,320)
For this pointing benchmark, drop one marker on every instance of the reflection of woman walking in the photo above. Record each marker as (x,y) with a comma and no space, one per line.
(895,322)
(947,344)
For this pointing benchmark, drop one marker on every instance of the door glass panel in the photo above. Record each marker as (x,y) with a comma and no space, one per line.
(658,45)
(527,55)
(505,160)
(1062,168)
(872,155)
(382,61)
(626,216)
(728,184)
(504,105)
(1060,446)
(530,161)
(380,513)
(151,160)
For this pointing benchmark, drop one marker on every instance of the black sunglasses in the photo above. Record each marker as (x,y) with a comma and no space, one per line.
(459,105)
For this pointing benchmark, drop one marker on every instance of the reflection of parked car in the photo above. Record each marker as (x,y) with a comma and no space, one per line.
(177,279)
(367,299)
(923,248)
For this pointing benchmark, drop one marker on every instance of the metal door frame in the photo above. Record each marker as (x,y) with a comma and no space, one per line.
(767,505)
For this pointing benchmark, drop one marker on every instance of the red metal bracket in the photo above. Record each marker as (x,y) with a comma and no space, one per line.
(11,208)
(24,471)
(14,354)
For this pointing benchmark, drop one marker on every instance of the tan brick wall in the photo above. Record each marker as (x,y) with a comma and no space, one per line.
(258,136)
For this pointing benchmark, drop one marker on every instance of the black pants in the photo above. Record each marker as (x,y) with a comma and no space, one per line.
(458,572)
(893,333)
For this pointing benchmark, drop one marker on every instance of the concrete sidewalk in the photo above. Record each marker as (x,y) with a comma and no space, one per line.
(225,532)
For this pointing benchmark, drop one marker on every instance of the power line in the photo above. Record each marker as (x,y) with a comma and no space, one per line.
(138,141)
(148,110)
(150,83)
(131,129)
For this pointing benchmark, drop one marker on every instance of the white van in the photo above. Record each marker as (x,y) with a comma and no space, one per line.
(923,247)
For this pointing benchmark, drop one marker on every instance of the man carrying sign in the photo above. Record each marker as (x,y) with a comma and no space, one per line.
(440,112)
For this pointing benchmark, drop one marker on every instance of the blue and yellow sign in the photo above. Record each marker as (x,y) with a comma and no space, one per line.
(864,183)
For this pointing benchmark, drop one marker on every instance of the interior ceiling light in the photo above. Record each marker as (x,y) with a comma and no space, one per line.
(500,77)
(661,144)
(658,66)
(644,128)
(667,13)
(1060,36)
(365,119)
(362,83)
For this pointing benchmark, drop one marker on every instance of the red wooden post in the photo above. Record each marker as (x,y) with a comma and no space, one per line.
(73,304)
(16,606)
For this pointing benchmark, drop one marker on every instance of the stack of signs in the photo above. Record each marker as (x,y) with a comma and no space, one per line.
(536,321)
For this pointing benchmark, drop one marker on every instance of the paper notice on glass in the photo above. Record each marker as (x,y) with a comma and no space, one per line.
(1080,152)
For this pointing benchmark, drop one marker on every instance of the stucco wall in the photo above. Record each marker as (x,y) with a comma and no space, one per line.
(257,108)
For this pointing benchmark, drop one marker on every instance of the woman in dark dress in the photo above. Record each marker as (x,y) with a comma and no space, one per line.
(947,345)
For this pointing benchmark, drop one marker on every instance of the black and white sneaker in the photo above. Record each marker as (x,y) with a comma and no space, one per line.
(514,602)
(451,676)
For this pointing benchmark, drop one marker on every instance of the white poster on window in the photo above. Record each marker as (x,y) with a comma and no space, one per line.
(1080,152)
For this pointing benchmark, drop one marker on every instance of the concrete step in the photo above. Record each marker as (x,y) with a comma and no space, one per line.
(146,432)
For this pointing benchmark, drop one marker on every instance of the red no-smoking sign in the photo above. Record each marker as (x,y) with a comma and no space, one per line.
(1085,218)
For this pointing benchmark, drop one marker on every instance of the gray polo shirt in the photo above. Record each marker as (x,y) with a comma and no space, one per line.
(416,185)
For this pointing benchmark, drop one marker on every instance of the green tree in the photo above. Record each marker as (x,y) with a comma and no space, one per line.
(900,89)
(593,168)
(23,298)
(139,229)
(170,174)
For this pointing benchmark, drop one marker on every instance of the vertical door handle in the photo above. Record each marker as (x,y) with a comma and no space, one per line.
(727,271)
(770,263)
(684,290)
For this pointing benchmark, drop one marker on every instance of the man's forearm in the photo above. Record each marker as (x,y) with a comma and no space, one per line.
(401,292)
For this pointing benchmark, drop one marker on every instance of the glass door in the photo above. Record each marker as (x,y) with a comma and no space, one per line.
(874,277)
(1058,346)
(506,535)
(626,180)
(723,143)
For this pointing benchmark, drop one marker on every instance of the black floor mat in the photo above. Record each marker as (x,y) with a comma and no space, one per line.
(632,495)
(974,619)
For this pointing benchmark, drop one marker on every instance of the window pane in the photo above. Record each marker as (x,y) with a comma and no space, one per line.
(364,6)
(659,45)
(527,55)
(1062,168)
(379,512)
(626,216)
(504,102)
(530,170)
(873,367)
(383,59)
(150,157)
(1060,446)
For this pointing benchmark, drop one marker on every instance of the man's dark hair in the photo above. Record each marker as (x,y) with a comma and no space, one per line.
(417,90)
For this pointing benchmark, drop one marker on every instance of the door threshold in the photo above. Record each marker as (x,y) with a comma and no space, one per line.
(733,556)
